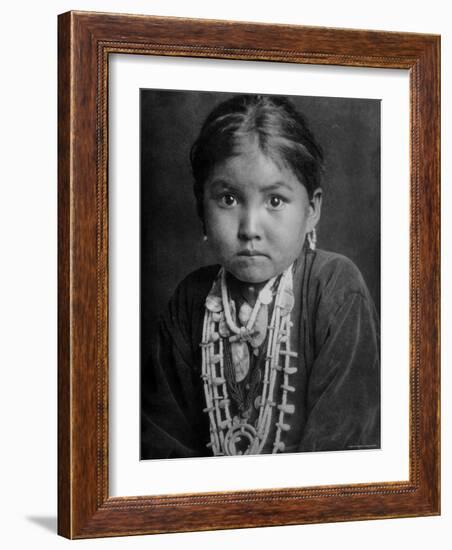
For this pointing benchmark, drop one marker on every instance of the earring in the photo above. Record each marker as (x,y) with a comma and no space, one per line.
(204,238)
(312,239)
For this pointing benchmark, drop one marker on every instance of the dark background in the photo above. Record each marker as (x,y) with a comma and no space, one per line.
(171,233)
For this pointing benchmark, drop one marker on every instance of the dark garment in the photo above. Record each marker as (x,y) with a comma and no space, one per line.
(336,334)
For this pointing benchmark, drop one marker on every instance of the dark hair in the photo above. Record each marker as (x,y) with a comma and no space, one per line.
(281,131)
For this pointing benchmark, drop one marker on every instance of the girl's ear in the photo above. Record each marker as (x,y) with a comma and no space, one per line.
(315,208)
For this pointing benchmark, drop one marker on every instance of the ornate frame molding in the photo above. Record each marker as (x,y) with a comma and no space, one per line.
(85,42)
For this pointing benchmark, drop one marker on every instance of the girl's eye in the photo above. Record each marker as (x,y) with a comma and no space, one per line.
(228,200)
(276,203)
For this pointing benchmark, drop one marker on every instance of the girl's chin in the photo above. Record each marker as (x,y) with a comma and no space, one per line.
(250,276)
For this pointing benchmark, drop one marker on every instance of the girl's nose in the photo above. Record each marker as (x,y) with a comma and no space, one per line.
(249,226)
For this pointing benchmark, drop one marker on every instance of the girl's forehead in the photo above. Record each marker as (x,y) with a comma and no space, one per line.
(252,169)
(247,155)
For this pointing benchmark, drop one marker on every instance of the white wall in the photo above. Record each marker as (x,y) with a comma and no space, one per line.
(28,270)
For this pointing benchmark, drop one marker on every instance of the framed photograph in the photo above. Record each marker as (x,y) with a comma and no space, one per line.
(248,275)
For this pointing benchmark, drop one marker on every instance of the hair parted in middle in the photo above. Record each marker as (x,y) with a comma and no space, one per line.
(280,131)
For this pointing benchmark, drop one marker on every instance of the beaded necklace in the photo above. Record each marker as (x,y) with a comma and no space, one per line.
(225,348)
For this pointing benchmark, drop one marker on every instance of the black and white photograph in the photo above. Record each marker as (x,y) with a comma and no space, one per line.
(259,274)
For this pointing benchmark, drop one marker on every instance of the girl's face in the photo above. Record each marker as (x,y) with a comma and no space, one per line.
(257,215)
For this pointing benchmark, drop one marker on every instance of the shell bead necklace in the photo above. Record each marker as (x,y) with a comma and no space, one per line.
(232,434)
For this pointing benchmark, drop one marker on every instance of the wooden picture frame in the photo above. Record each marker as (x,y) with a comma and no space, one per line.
(85,42)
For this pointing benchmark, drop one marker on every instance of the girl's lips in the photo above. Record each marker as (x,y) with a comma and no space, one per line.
(247,252)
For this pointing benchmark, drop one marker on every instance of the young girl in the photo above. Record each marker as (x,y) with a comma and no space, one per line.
(276,348)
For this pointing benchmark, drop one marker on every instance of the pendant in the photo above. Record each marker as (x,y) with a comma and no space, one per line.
(240,359)
(214,303)
(266,296)
(245,313)
(259,332)
(240,439)
(259,329)
(287,301)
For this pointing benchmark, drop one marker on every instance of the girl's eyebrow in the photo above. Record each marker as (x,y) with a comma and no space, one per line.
(218,184)
(277,185)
